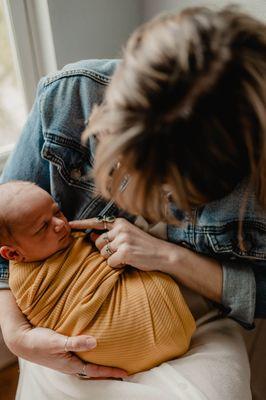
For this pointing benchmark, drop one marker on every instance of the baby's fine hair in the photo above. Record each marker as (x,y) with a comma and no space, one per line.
(185,111)
(9,193)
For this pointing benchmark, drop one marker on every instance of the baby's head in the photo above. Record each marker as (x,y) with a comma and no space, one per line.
(32,227)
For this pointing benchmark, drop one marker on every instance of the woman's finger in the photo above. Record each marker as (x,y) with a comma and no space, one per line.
(116,260)
(73,365)
(99,371)
(104,239)
(108,250)
(91,223)
(78,343)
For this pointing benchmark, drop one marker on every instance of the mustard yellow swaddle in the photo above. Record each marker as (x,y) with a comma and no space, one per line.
(140,319)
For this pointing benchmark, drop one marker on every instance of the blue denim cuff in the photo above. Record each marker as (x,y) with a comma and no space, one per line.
(4,274)
(239,293)
(4,285)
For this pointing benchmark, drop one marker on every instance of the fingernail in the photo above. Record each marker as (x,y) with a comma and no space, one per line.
(92,342)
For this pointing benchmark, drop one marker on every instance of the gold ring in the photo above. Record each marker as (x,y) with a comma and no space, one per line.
(65,345)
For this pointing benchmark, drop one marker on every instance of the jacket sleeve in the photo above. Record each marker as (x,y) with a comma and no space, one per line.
(239,293)
(25,162)
(244,291)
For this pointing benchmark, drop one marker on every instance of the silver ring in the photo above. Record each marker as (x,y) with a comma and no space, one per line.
(82,375)
(108,218)
(65,345)
(109,250)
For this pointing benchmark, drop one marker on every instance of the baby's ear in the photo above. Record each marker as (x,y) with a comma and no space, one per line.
(10,253)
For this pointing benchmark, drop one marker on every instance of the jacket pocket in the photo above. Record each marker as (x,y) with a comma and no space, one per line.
(73,161)
(224,240)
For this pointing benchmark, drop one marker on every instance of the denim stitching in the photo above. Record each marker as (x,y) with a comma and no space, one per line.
(70,143)
(220,248)
(251,223)
(58,162)
(79,72)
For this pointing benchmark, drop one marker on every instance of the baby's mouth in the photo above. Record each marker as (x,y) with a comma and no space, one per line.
(64,236)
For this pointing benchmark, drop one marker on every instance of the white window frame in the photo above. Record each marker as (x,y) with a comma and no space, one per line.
(32,42)
(32,46)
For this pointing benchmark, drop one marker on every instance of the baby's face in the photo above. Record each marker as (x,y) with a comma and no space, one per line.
(41,228)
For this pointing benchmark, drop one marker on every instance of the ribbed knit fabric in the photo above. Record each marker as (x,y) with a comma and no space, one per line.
(140,319)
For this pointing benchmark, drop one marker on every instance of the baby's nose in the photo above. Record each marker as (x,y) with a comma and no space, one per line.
(58,224)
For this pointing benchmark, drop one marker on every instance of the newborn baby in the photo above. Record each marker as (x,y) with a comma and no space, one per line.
(60,281)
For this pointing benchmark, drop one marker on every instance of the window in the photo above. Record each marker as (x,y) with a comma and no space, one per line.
(27,53)
(12,102)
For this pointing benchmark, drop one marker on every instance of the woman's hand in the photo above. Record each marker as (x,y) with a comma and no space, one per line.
(47,347)
(125,243)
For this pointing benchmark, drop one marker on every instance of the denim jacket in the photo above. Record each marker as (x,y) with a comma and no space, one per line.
(50,153)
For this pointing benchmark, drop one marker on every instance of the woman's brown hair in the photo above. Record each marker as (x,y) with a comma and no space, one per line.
(185,112)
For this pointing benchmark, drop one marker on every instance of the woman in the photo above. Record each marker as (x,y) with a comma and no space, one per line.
(174,78)
(188,129)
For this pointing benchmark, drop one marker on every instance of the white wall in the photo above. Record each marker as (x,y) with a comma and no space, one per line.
(152,7)
(91,28)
